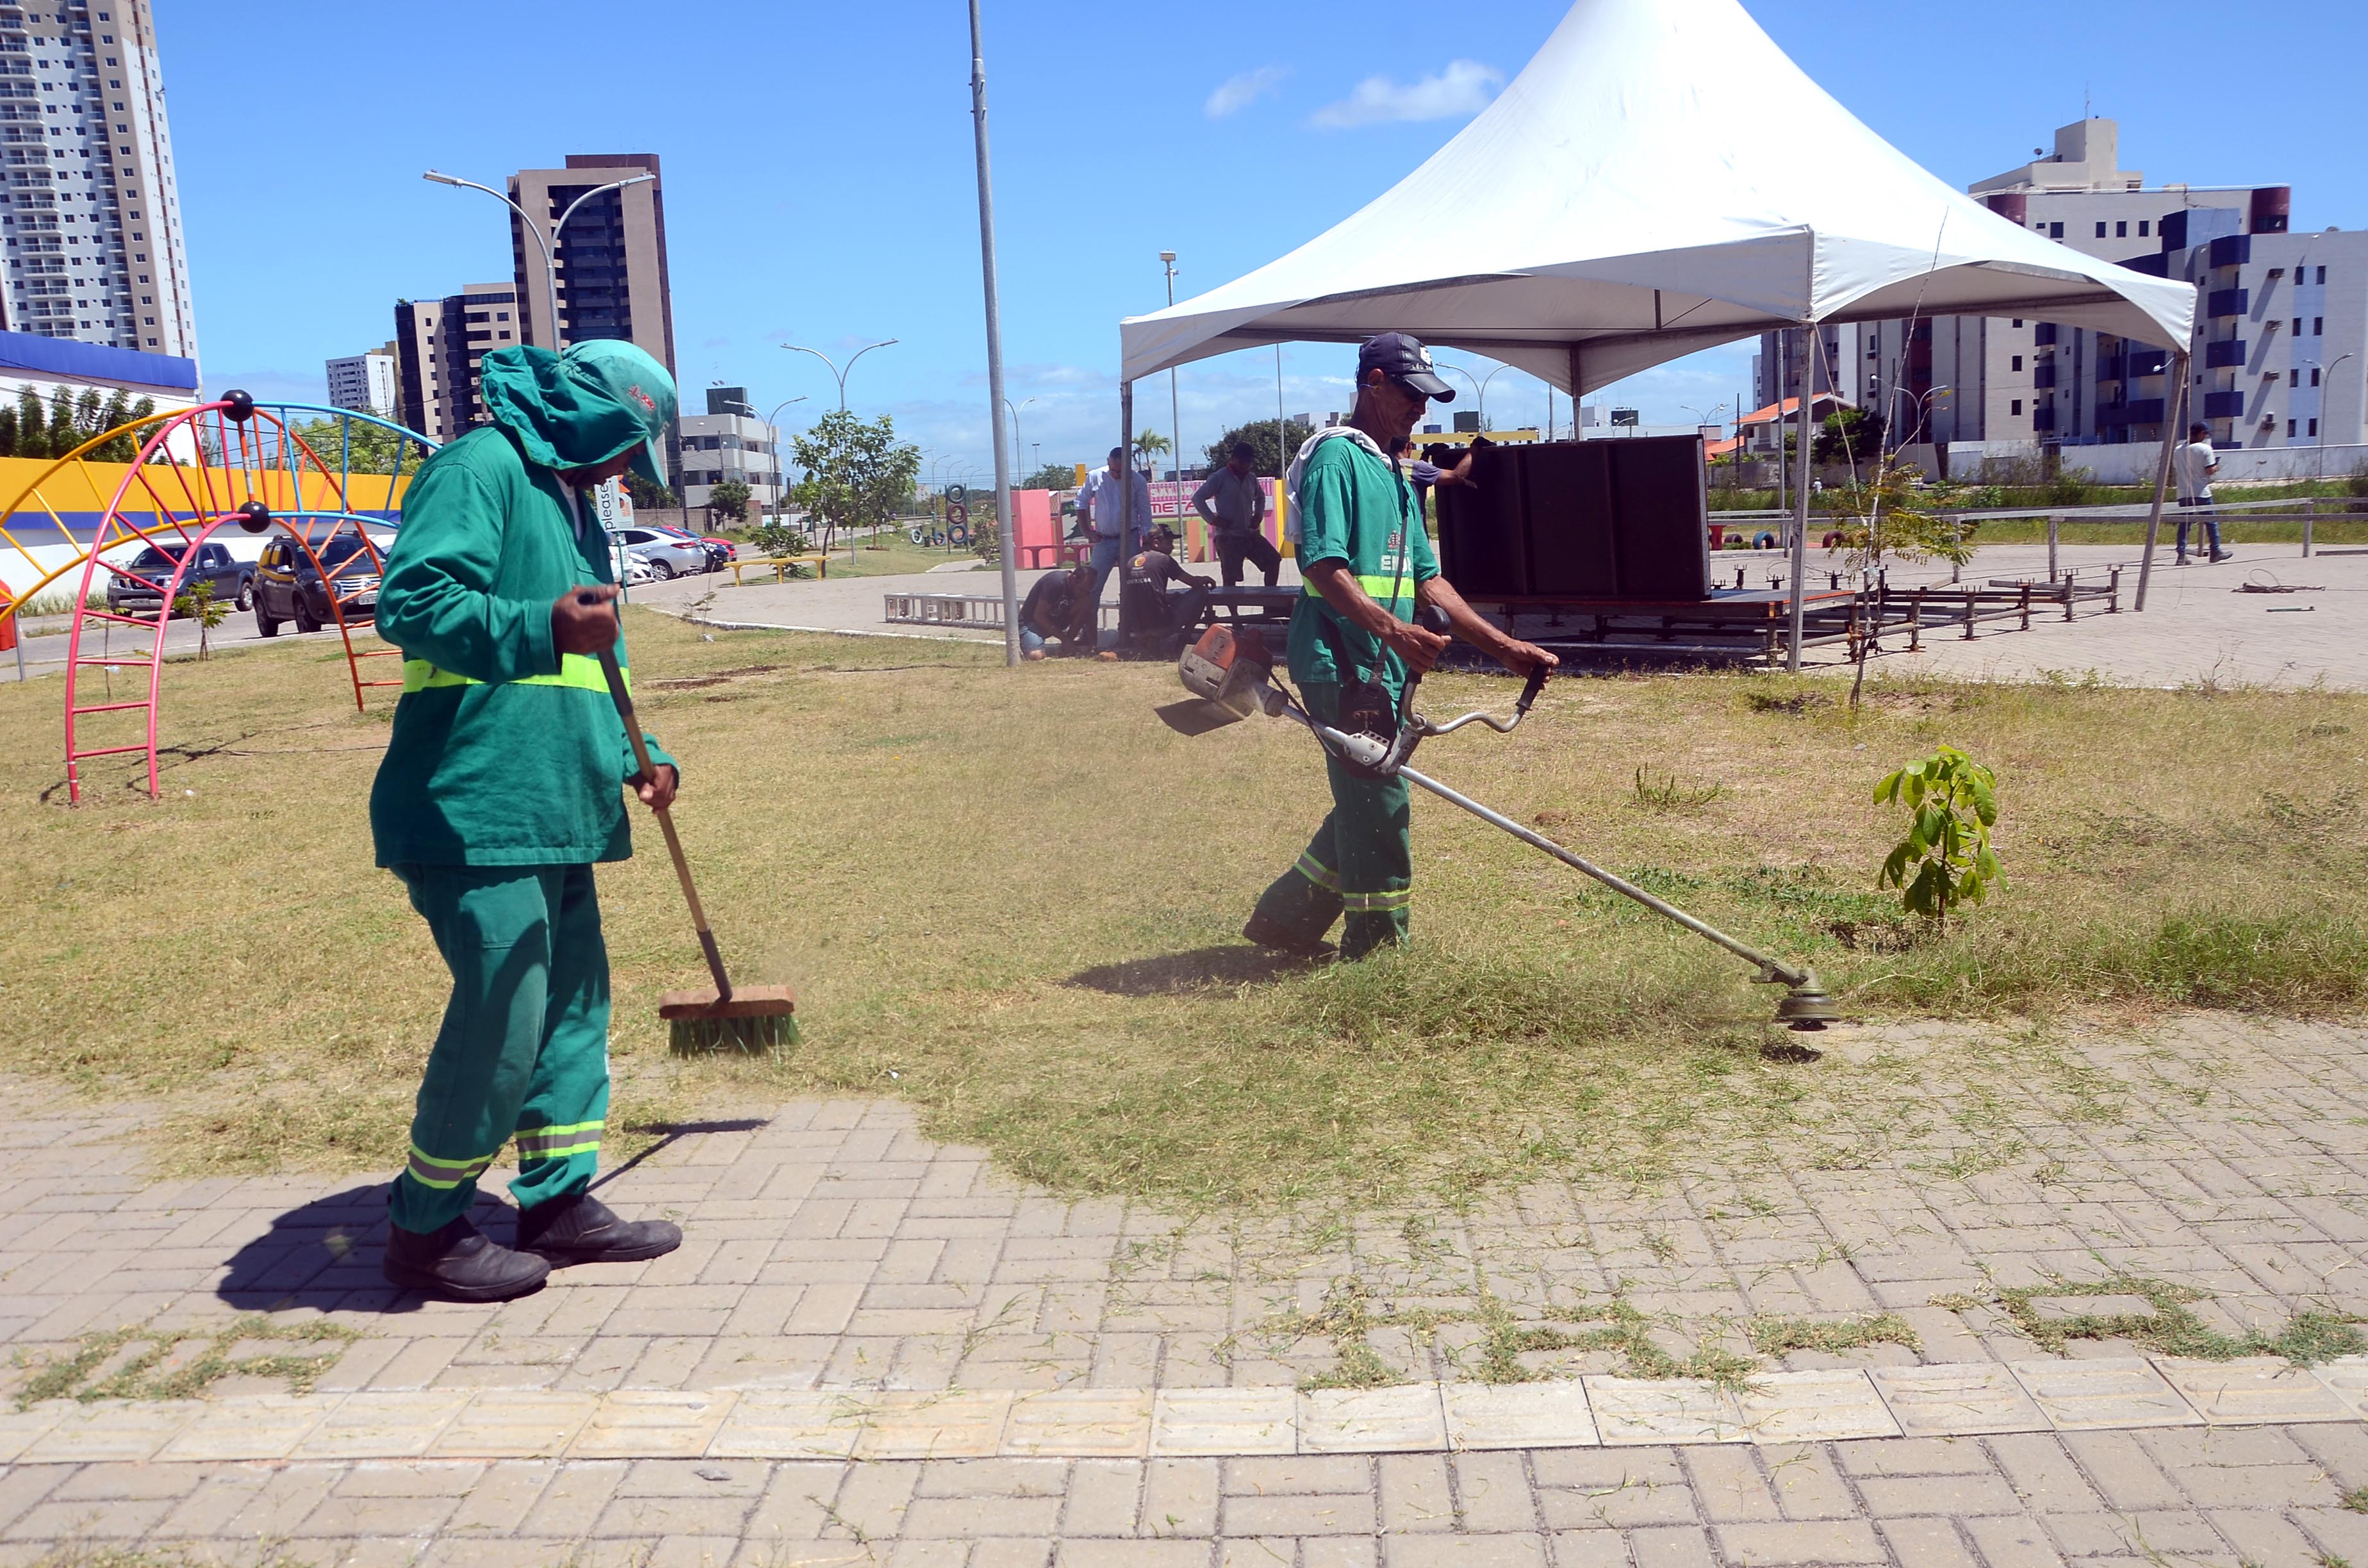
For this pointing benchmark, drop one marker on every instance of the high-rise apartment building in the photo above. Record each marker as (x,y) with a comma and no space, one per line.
(366,382)
(2280,347)
(611,255)
(90,213)
(439,345)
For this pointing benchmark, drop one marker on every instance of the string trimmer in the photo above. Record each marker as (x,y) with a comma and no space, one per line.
(1231,675)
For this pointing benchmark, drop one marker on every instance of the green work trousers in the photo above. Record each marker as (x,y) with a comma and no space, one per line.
(1360,860)
(524,1050)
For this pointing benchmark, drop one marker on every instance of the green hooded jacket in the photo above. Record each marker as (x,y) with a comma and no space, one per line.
(502,753)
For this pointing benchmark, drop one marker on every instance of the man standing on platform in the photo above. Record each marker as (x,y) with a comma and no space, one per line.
(1232,501)
(1098,506)
(1367,565)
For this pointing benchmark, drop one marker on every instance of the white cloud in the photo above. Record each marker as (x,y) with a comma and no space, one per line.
(1237,93)
(1463,88)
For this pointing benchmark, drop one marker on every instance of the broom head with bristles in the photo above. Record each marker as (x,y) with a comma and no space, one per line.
(757,1019)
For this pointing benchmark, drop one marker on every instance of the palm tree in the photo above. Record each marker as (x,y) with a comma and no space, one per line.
(1148,445)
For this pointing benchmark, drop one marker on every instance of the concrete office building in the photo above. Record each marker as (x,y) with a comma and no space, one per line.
(730,442)
(90,212)
(366,382)
(439,346)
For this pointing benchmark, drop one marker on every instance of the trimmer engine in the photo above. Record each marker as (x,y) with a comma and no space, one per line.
(1230,667)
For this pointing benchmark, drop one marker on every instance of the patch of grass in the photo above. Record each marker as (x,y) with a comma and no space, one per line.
(2168,1326)
(932,850)
(1666,794)
(156,1370)
(1775,1335)
(2357,1499)
(87,1555)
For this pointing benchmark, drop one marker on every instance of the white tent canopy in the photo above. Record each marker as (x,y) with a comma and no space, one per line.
(1660,179)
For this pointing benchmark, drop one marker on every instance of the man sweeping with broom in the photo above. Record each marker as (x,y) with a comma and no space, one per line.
(500,790)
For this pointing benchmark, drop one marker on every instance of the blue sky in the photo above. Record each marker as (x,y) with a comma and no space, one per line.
(819,182)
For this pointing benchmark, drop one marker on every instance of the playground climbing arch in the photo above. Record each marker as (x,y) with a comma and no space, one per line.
(307,472)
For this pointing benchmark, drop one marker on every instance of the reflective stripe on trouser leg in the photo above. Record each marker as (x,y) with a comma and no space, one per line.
(1360,860)
(566,1104)
(494,926)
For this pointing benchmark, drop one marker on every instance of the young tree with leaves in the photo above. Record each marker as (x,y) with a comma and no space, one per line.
(1052,476)
(857,474)
(730,498)
(1273,455)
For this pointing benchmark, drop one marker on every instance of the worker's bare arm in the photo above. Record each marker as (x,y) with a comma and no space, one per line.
(1490,639)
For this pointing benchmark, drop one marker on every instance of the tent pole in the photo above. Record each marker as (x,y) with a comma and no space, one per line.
(1800,508)
(1126,519)
(1578,390)
(2174,417)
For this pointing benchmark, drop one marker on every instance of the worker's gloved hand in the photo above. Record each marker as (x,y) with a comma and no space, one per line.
(657,794)
(1419,649)
(583,620)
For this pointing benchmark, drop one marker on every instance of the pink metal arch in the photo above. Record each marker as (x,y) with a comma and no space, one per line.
(210,495)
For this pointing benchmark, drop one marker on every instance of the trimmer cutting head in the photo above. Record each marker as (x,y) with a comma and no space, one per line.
(1228,669)
(1807,1007)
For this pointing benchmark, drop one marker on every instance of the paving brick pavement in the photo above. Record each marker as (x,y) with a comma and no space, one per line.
(835,1252)
(2266,1496)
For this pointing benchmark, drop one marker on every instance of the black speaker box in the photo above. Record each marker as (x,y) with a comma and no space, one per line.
(1607,519)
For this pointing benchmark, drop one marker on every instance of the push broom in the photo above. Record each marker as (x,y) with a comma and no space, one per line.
(751,1018)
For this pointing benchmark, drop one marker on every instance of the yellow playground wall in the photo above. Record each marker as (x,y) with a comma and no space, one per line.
(79,492)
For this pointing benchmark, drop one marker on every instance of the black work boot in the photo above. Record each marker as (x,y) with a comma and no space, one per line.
(578,1228)
(459,1263)
(1271,934)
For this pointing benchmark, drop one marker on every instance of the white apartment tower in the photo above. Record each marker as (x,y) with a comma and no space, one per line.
(366,382)
(2280,349)
(90,213)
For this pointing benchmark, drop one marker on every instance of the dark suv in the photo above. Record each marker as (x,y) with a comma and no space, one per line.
(152,568)
(286,586)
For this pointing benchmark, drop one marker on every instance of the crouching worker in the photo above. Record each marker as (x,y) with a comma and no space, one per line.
(1059,609)
(1367,562)
(1157,618)
(501,786)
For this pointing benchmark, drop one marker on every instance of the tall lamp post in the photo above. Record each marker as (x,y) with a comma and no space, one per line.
(2326,386)
(781,471)
(1175,420)
(1008,555)
(1018,443)
(841,377)
(550,257)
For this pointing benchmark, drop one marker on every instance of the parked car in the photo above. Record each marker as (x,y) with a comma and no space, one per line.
(730,549)
(627,566)
(670,553)
(288,588)
(152,568)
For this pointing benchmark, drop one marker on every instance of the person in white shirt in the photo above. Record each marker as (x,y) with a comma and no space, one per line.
(2197,463)
(1098,506)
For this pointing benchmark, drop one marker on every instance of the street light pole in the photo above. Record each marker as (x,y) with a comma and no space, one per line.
(780,472)
(1018,442)
(1175,420)
(1007,553)
(841,376)
(550,257)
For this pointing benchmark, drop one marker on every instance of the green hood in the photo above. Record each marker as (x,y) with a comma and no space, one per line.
(581,407)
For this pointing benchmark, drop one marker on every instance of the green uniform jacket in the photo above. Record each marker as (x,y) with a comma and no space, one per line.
(500,756)
(1354,508)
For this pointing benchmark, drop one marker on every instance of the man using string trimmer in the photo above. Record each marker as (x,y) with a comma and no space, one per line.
(1368,566)
(499,791)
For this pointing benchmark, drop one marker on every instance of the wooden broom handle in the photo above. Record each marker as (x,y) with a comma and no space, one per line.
(624,700)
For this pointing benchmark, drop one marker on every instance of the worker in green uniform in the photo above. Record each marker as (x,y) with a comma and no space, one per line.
(1367,564)
(501,786)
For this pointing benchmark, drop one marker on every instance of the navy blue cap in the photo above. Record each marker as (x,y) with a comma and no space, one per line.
(1403,358)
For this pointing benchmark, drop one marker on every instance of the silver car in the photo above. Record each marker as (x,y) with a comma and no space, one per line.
(669,554)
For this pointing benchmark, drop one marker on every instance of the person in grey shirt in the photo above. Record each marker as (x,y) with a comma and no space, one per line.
(1234,506)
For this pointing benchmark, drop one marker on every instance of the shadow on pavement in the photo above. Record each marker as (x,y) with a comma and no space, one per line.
(1203,969)
(325,1254)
